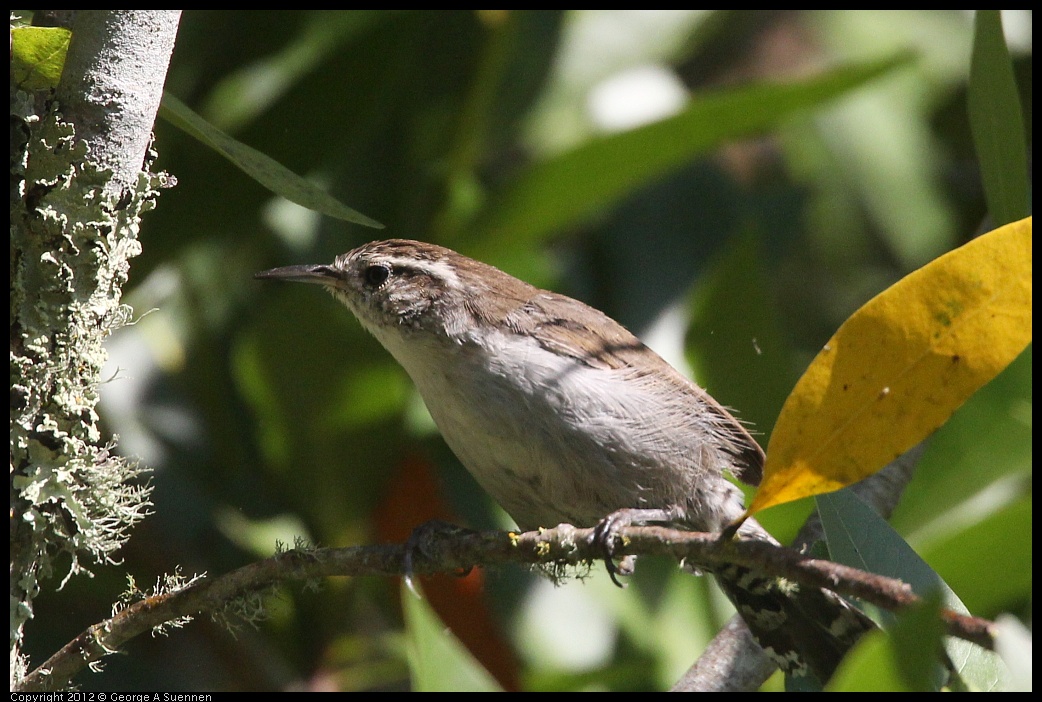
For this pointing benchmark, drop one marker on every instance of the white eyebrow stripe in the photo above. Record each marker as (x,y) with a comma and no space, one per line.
(439,270)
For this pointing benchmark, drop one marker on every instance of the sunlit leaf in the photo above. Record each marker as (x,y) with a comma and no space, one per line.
(261,167)
(38,56)
(438,662)
(897,369)
(560,192)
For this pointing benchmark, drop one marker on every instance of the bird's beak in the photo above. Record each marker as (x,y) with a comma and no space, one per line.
(319,274)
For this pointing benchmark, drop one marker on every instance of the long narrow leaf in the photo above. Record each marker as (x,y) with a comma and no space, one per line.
(996,122)
(261,167)
(560,192)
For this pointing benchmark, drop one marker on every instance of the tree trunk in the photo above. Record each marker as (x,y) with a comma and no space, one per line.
(81,179)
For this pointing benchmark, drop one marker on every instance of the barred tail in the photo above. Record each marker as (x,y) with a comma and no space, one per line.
(802,629)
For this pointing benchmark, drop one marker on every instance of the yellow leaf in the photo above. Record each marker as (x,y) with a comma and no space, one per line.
(901,365)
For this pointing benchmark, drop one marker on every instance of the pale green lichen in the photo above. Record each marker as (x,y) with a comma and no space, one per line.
(166,584)
(73,500)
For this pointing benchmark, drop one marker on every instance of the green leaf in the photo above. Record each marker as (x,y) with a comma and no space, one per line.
(916,636)
(564,190)
(860,538)
(997,123)
(38,56)
(437,660)
(869,667)
(262,168)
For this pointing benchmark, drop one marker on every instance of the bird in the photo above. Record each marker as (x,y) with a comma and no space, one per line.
(564,416)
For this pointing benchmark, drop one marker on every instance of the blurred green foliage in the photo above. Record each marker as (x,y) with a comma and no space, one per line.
(735,245)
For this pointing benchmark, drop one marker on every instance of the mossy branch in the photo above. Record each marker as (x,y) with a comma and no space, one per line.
(448,551)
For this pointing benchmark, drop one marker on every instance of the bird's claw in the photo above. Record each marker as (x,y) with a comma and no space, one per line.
(606,533)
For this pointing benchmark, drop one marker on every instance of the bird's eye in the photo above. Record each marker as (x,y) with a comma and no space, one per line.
(376,275)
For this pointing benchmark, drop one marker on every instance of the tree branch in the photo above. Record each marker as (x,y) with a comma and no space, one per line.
(448,551)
